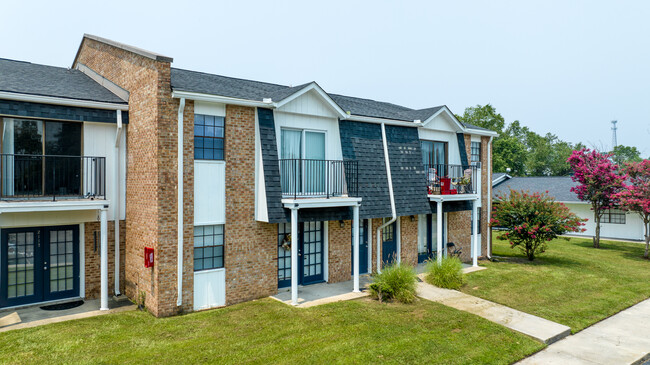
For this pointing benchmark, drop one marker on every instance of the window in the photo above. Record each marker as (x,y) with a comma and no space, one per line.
(303,167)
(434,153)
(208,247)
(208,137)
(614,216)
(475,150)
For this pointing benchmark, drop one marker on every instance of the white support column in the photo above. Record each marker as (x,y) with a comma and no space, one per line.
(475,252)
(104,259)
(294,255)
(355,233)
(439,230)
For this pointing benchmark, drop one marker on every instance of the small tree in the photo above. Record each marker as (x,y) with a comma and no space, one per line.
(636,195)
(532,220)
(599,180)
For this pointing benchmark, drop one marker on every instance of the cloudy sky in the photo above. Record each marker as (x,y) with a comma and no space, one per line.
(565,67)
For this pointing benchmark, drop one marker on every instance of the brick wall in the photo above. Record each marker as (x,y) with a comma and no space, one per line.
(409,240)
(459,232)
(250,246)
(92,258)
(151,175)
(339,251)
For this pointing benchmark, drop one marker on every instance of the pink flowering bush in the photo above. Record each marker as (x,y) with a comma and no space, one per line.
(599,181)
(636,195)
(532,220)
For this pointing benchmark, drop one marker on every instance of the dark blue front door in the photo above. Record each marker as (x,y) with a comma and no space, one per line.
(389,245)
(363,248)
(310,254)
(39,264)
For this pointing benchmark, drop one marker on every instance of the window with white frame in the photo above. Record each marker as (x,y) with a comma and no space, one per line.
(614,216)
(475,150)
(208,247)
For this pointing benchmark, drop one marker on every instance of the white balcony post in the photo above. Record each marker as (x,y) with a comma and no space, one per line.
(439,230)
(475,252)
(103,229)
(294,255)
(355,233)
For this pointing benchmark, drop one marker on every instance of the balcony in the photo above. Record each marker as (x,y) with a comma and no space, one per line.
(50,177)
(303,178)
(443,179)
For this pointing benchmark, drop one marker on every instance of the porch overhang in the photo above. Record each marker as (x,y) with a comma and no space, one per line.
(306,203)
(453,197)
(23,206)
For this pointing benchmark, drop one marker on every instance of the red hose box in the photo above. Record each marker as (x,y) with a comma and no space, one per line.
(148,257)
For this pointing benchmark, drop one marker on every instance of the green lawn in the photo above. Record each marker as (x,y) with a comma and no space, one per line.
(266,331)
(571,283)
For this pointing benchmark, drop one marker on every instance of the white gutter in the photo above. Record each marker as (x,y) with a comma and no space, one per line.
(392,197)
(116,205)
(489,197)
(219,99)
(382,121)
(179,190)
(62,101)
(481,132)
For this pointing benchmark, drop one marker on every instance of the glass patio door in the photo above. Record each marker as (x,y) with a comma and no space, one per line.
(39,264)
(306,168)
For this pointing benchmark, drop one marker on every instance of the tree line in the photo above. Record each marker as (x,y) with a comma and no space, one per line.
(527,153)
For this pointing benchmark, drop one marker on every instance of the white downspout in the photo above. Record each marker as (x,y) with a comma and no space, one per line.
(179,266)
(116,201)
(392,197)
(489,198)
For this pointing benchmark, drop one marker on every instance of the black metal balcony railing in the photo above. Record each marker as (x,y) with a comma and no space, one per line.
(443,179)
(50,176)
(302,178)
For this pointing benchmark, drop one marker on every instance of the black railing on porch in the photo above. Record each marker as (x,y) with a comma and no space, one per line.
(444,179)
(52,176)
(303,178)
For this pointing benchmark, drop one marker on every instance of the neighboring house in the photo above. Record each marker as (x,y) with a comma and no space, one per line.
(273,180)
(615,223)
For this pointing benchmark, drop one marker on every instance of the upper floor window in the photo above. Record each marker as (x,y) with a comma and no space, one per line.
(615,216)
(475,150)
(434,153)
(208,137)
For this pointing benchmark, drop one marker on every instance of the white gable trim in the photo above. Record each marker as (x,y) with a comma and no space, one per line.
(445,110)
(313,86)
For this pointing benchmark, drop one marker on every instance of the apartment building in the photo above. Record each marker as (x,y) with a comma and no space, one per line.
(238,188)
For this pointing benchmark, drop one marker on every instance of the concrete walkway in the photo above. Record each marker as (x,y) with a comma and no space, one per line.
(623,338)
(323,293)
(33,316)
(539,328)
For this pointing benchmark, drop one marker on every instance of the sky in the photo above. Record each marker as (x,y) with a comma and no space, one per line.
(564,67)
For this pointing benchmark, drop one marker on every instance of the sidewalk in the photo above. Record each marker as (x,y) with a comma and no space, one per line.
(623,338)
(540,329)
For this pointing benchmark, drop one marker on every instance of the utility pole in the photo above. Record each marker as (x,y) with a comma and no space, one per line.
(614,144)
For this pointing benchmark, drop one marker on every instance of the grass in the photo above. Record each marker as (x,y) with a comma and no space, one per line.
(571,283)
(266,331)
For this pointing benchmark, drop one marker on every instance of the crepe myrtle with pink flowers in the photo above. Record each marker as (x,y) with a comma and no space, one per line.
(599,181)
(532,220)
(635,197)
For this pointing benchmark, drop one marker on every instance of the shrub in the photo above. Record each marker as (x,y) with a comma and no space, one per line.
(447,274)
(532,220)
(396,281)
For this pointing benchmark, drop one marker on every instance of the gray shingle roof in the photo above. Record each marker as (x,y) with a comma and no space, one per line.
(29,78)
(497,175)
(558,187)
(200,82)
